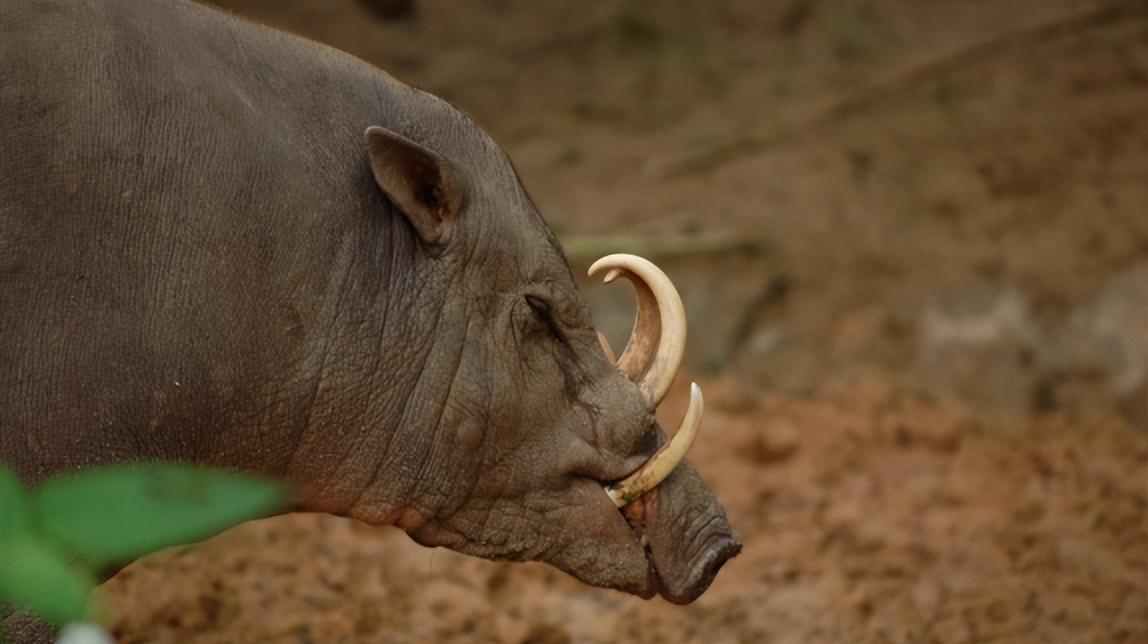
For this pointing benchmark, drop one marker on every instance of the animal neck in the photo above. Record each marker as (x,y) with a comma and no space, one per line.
(380,389)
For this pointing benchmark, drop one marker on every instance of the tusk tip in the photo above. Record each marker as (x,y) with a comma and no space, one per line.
(598,265)
(611,262)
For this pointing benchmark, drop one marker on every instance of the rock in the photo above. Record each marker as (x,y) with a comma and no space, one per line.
(983,342)
(1102,350)
(84,633)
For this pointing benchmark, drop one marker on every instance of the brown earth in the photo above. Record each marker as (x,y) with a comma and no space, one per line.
(869,515)
(929,393)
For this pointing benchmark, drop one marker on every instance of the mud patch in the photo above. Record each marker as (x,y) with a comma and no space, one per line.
(892,518)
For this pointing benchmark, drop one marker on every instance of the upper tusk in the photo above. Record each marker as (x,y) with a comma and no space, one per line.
(658,341)
(655,470)
(606,347)
(643,342)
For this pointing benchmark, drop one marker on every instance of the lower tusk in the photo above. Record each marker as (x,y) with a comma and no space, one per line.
(655,470)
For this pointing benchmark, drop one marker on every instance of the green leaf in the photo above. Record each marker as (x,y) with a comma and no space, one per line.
(40,579)
(14,517)
(116,514)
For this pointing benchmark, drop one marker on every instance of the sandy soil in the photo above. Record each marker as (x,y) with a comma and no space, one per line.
(869,515)
(929,405)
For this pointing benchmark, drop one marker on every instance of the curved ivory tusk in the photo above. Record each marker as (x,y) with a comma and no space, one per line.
(655,470)
(642,345)
(654,353)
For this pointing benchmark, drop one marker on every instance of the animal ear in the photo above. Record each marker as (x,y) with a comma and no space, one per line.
(418,180)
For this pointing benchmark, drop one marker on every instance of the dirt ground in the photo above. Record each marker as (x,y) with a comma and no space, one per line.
(927,383)
(869,515)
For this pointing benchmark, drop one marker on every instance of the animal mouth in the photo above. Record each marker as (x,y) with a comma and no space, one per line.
(682,567)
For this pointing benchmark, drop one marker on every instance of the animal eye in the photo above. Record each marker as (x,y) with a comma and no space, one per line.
(541,309)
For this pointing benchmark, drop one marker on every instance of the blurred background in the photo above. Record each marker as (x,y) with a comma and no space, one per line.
(912,239)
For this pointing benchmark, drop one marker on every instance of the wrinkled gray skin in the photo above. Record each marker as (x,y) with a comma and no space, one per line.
(198,263)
